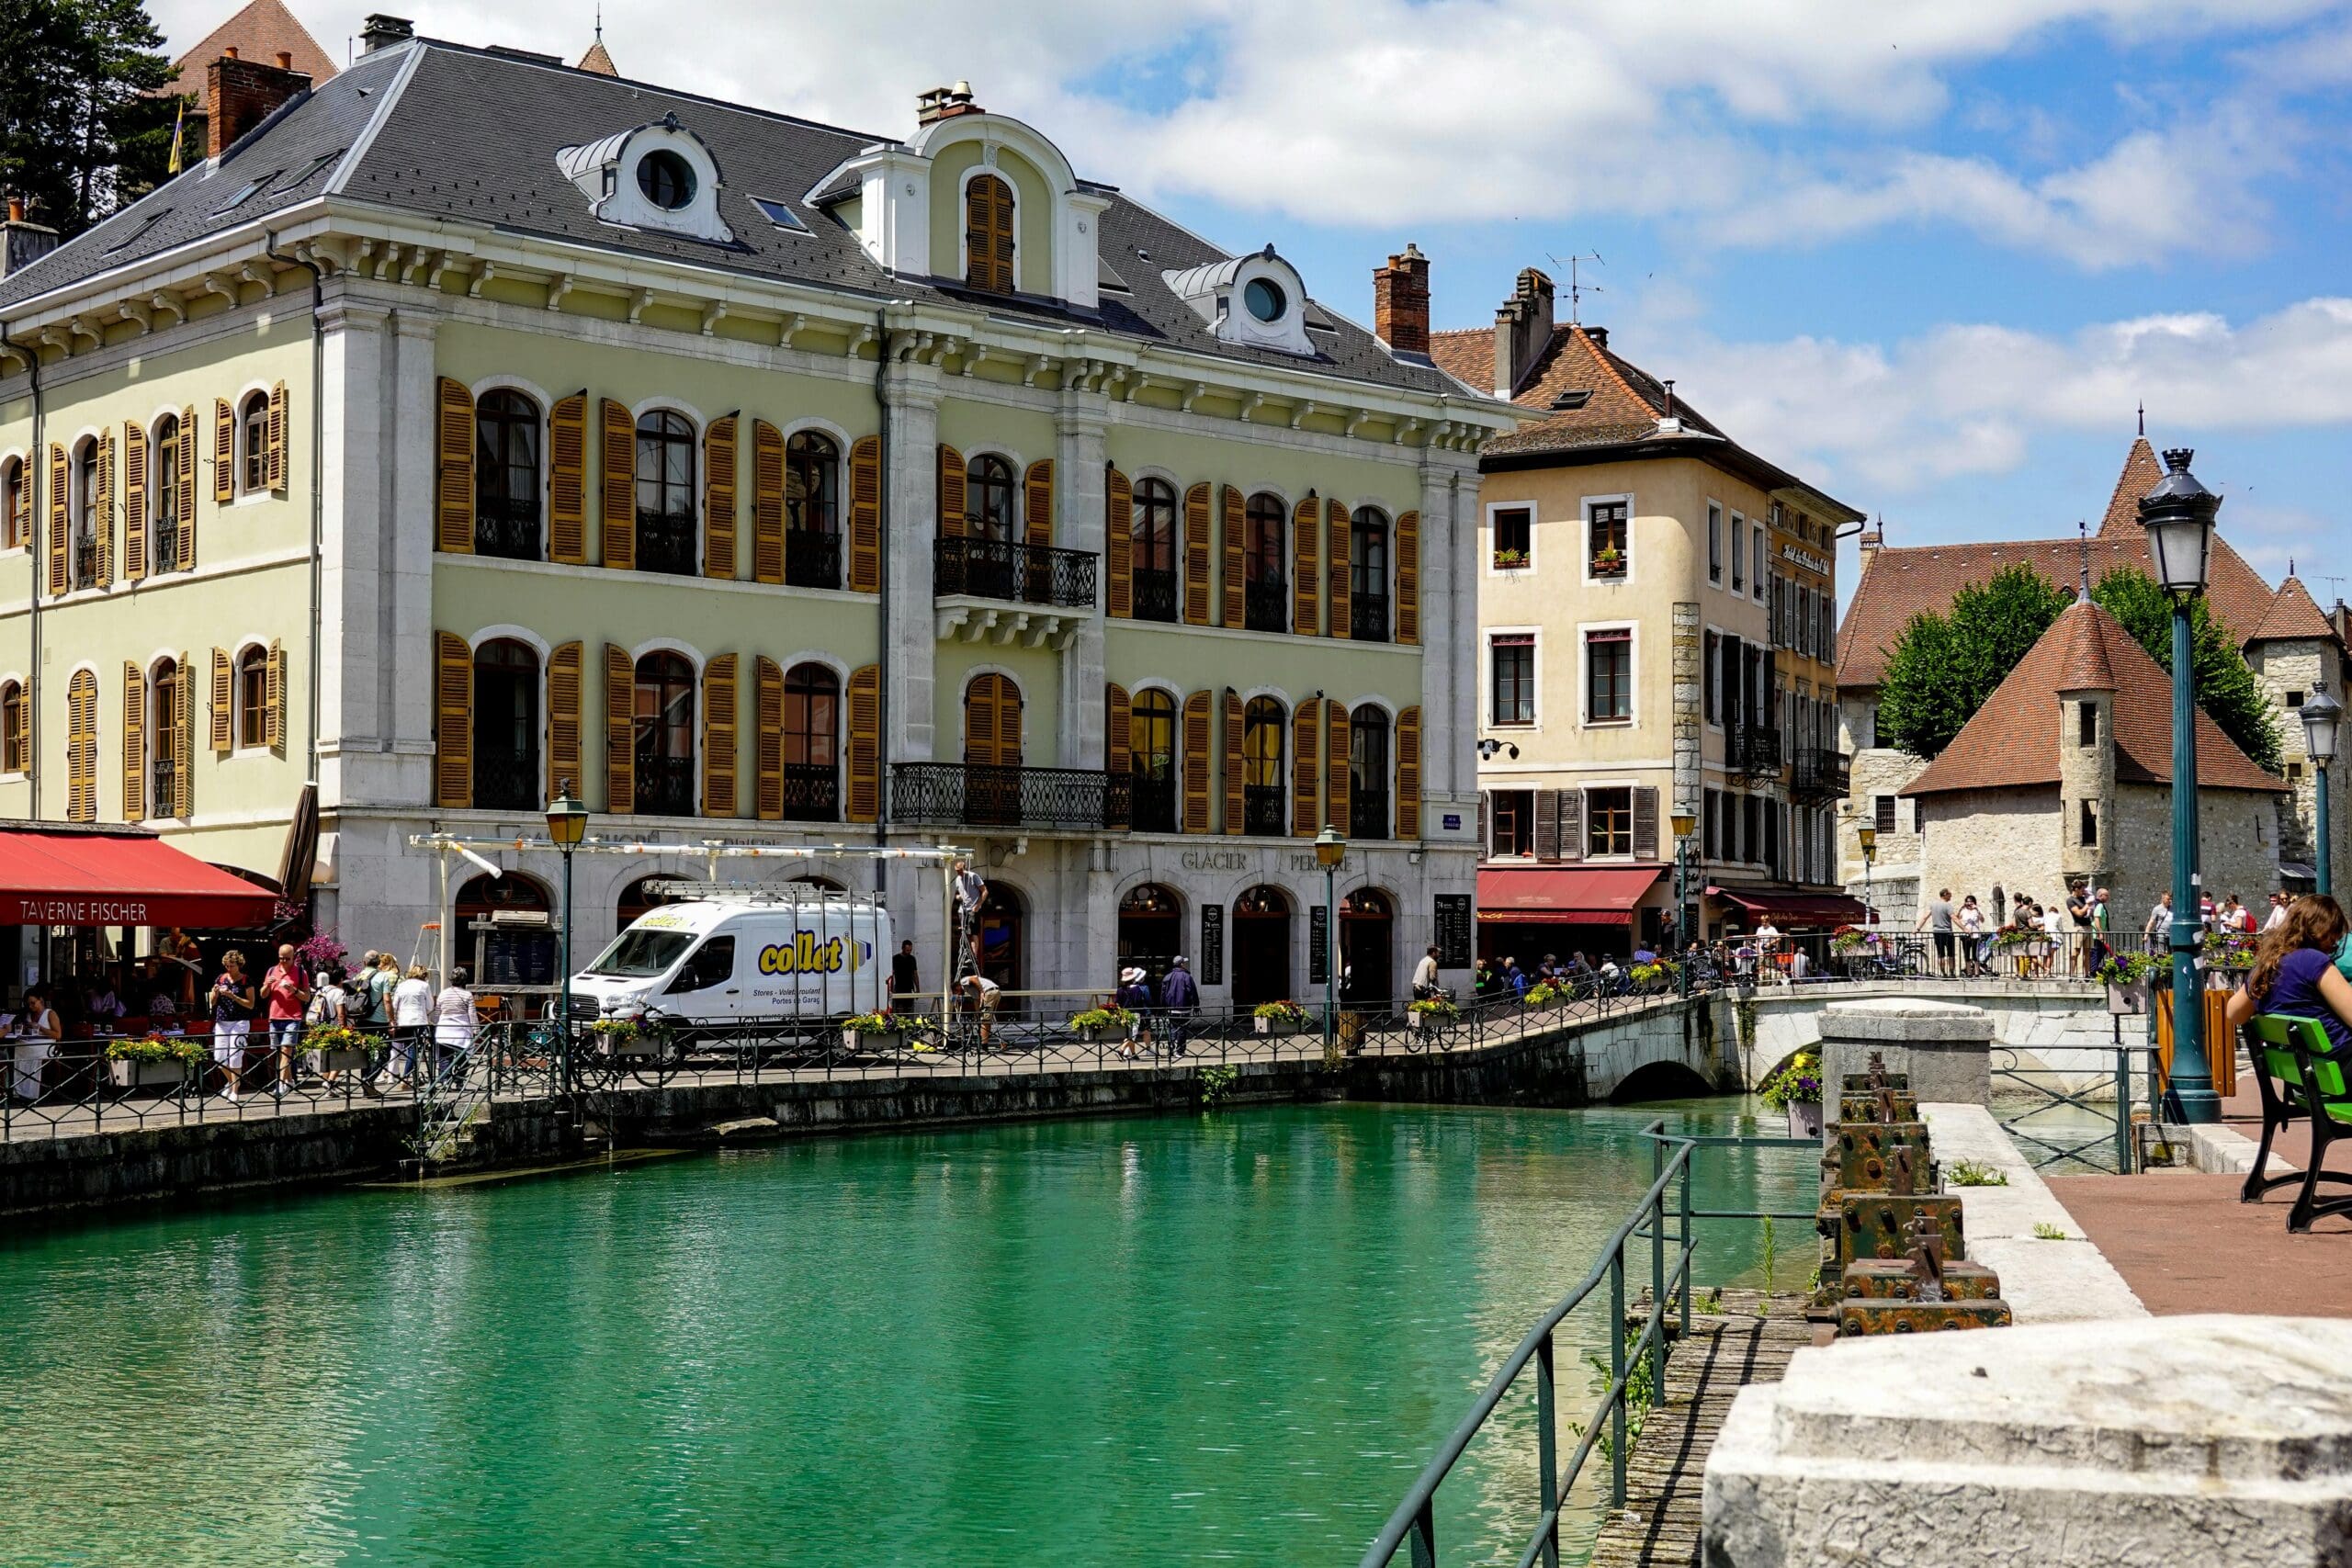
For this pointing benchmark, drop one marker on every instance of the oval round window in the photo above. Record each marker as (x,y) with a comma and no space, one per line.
(667,180)
(1264,299)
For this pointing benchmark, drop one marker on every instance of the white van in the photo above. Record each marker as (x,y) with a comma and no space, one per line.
(799,952)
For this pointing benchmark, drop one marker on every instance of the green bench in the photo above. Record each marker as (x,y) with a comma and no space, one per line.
(2299,1073)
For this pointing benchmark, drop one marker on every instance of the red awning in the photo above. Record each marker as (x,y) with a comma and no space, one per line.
(1544,896)
(1797,909)
(62,877)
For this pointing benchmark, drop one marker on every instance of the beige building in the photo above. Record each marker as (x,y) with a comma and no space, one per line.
(1653,614)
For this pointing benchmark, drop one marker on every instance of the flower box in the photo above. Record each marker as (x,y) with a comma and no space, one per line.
(1804,1118)
(1103,1034)
(1276,1027)
(349,1059)
(873,1040)
(125,1073)
(2131,997)
(1509,560)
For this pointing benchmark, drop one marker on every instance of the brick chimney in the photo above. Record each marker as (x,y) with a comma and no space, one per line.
(241,94)
(23,242)
(1523,331)
(944,102)
(1400,301)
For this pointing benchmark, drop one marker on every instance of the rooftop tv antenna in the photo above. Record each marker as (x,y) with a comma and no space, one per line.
(1578,287)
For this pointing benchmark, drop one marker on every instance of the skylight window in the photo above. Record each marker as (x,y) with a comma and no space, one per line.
(138,230)
(777,213)
(246,194)
(320,162)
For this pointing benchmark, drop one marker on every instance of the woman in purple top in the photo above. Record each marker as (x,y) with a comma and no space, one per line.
(2295,972)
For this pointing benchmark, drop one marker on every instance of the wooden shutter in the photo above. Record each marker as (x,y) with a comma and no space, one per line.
(620,731)
(134,745)
(1645,822)
(453,495)
(276,452)
(720,705)
(184,741)
(1306,618)
(718,484)
(865,520)
(187,561)
(1306,751)
(82,748)
(1232,762)
(1547,824)
(767,508)
(1408,577)
(59,532)
(618,455)
(274,719)
(224,452)
(1336,555)
(565,672)
(952,477)
(1485,833)
(453,721)
(865,800)
(1340,726)
(988,234)
(1037,500)
(767,737)
(134,503)
(1118,718)
(1118,541)
(1195,764)
(1571,821)
(568,481)
(1408,773)
(1232,522)
(980,725)
(103,524)
(222,674)
(1196,556)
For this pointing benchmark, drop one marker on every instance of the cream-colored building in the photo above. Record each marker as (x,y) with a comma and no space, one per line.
(1654,611)
(468,423)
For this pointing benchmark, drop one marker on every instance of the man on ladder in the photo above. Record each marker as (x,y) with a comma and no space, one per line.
(970,889)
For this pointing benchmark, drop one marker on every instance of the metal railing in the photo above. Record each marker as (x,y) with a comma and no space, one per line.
(1151,802)
(665,542)
(1368,617)
(1752,749)
(1028,574)
(508,781)
(85,560)
(812,792)
(167,545)
(1823,773)
(506,527)
(2082,1096)
(1261,811)
(1367,814)
(813,559)
(162,782)
(1265,604)
(1156,594)
(665,786)
(986,795)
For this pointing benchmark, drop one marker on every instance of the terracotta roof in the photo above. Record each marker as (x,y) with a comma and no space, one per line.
(2014,739)
(2294,615)
(257,33)
(2141,472)
(1467,356)
(596,60)
(1610,395)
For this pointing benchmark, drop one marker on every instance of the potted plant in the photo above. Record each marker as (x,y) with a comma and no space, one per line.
(2125,976)
(1545,994)
(151,1059)
(1509,560)
(1430,1013)
(1608,562)
(334,1048)
(881,1030)
(1795,1089)
(1659,976)
(1101,1025)
(620,1037)
(1280,1019)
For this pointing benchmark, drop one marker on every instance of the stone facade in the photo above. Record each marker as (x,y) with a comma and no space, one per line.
(1892,883)
(2294,669)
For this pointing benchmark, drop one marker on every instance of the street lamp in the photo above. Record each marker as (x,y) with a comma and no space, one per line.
(1330,851)
(1868,834)
(1685,824)
(2322,715)
(2178,517)
(567,825)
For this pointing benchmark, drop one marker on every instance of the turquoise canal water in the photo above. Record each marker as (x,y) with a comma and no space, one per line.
(1232,1337)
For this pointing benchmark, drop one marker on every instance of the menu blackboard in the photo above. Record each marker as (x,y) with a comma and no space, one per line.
(1212,944)
(1318,945)
(1452,922)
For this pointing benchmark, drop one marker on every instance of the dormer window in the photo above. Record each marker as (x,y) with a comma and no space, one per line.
(1264,298)
(1255,302)
(666,179)
(660,176)
(988,234)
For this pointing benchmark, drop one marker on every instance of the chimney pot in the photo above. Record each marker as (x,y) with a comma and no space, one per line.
(16,209)
(286,59)
(230,52)
(1400,301)
(382,31)
(1523,331)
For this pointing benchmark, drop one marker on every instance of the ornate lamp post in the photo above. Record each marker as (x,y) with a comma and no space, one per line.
(2321,715)
(567,825)
(1330,851)
(1685,824)
(2178,515)
(1868,834)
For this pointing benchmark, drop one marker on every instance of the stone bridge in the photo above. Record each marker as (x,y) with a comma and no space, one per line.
(2054,1024)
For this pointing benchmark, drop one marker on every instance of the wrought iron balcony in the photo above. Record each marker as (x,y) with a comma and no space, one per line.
(506,527)
(1261,811)
(86,561)
(1368,617)
(1156,594)
(1823,773)
(974,794)
(167,545)
(508,781)
(1265,604)
(1368,813)
(812,560)
(665,542)
(665,786)
(1154,809)
(1021,574)
(162,798)
(812,792)
(1752,749)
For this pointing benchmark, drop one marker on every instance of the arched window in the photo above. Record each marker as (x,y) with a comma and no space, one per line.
(1260,946)
(506,725)
(988,234)
(1368,575)
(15,729)
(15,515)
(163,492)
(253,431)
(665,492)
(1262,723)
(507,476)
(1151,741)
(991,750)
(812,479)
(988,499)
(1003,918)
(1368,774)
(81,504)
(665,735)
(165,690)
(252,697)
(1153,553)
(812,717)
(512,952)
(1265,596)
(1151,930)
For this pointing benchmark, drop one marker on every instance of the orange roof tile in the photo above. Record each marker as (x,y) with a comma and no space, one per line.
(597,60)
(257,33)
(2141,472)
(1467,356)
(2293,616)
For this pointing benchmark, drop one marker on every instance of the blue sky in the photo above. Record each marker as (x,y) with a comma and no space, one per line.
(1928,256)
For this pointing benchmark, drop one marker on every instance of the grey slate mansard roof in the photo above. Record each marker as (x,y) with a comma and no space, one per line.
(472,136)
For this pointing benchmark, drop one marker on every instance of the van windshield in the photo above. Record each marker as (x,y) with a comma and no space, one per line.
(641,955)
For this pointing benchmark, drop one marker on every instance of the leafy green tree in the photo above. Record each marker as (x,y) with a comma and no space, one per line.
(82,133)
(2225,684)
(1943,667)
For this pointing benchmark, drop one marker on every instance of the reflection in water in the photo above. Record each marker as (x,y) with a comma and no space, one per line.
(1231,1338)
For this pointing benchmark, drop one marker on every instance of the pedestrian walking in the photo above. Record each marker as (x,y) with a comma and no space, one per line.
(330,1007)
(287,991)
(1135,994)
(906,981)
(233,1021)
(412,1020)
(1937,921)
(1971,935)
(454,1023)
(1180,997)
(2278,916)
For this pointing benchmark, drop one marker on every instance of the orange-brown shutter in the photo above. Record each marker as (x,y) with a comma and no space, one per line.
(1408,579)
(568,481)
(1336,562)
(1196,556)
(1037,500)
(1118,717)
(222,737)
(273,721)
(1306,617)
(452,501)
(1233,775)
(274,466)
(720,701)
(1196,763)
(187,561)
(58,540)
(82,747)
(767,505)
(718,482)
(224,452)
(134,502)
(1305,768)
(988,234)
(453,721)
(184,741)
(102,524)
(134,745)
(1118,528)
(618,453)
(1338,724)
(1408,773)
(565,672)
(865,522)
(952,475)
(1235,523)
(620,731)
(767,737)
(980,721)
(864,799)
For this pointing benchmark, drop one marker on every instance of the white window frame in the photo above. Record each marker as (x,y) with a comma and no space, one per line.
(1584,545)
(240,449)
(1584,819)
(1714,544)
(1534,518)
(1632,673)
(1486,677)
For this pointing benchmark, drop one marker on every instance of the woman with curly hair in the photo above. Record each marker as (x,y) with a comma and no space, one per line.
(2294,971)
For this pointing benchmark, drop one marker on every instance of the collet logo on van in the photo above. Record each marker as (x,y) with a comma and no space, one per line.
(807,955)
